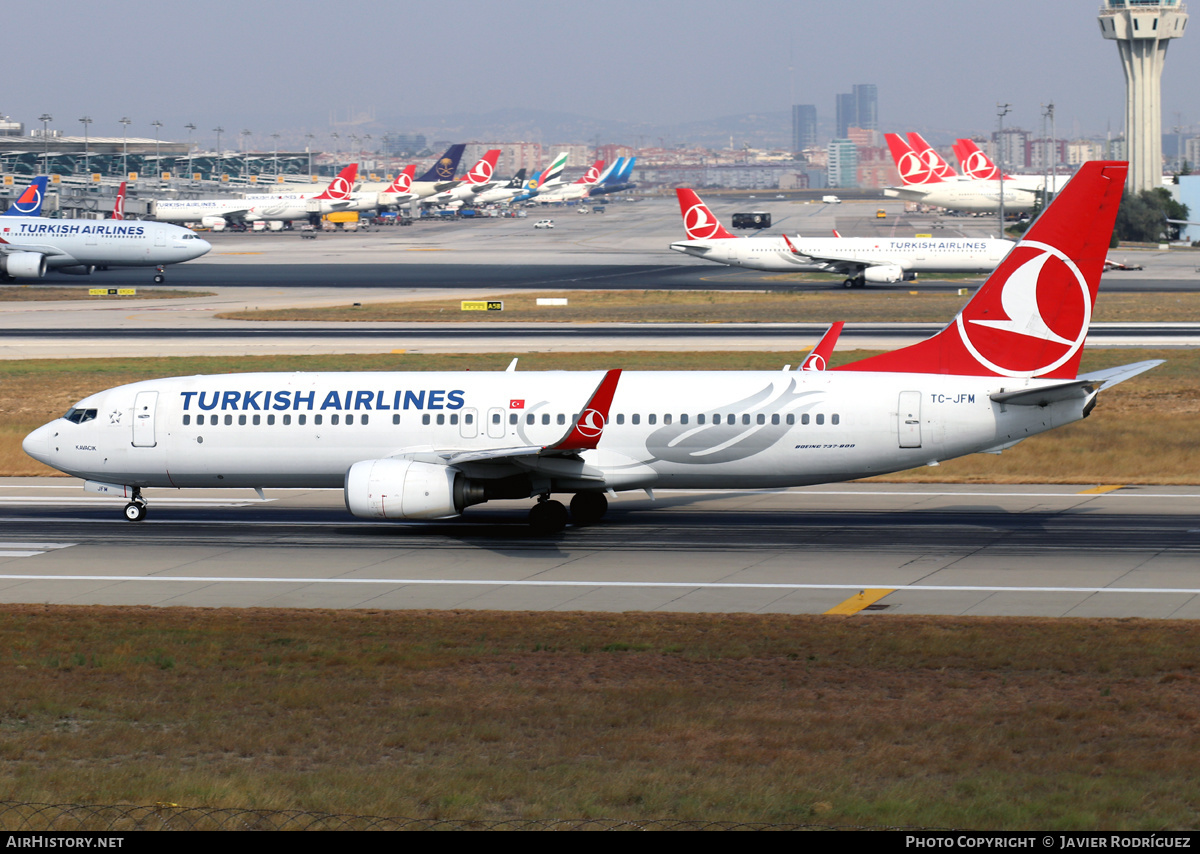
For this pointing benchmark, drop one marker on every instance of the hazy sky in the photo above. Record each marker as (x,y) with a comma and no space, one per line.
(270,65)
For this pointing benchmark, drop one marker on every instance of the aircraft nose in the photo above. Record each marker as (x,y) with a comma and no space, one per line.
(37,444)
(202,247)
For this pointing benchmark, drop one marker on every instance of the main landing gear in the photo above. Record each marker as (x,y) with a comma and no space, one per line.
(135,510)
(855,282)
(159,276)
(550,517)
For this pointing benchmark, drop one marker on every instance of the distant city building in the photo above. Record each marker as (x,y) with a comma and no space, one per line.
(1191,153)
(804,126)
(402,144)
(1083,150)
(1011,148)
(1046,153)
(847,114)
(1142,30)
(858,108)
(10,128)
(843,163)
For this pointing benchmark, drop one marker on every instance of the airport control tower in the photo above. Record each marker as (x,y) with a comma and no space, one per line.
(1141,29)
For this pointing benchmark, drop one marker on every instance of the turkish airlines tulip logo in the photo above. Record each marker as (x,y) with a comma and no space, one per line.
(339,188)
(591,424)
(815,362)
(481,173)
(913,168)
(934,163)
(699,223)
(1015,338)
(119,208)
(403,183)
(978,167)
(592,176)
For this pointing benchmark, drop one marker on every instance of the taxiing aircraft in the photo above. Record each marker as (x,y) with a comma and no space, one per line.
(862,260)
(415,446)
(29,203)
(264,207)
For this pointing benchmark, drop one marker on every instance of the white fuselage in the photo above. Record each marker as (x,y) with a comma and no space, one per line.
(108,243)
(968,195)
(848,255)
(568,193)
(258,207)
(719,429)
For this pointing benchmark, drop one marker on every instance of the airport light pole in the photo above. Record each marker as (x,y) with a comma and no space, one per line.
(219,130)
(87,159)
(1051,155)
(125,122)
(1002,110)
(245,165)
(310,137)
(157,157)
(190,127)
(275,136)
(335,137)
(45,119)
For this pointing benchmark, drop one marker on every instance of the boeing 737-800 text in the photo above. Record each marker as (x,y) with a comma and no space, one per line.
(429,445)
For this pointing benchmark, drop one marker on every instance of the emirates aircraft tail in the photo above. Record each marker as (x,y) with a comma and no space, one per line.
(912,167)
(341,186)
(698,221)
(975,163)
(1030,318)
(929,154)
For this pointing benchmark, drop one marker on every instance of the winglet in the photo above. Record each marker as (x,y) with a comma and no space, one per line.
(790,246)
(585,433)
(818,359)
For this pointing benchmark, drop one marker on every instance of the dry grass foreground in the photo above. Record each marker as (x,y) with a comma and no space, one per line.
(981,723)
(1144,431)
(48,293)
(876,306)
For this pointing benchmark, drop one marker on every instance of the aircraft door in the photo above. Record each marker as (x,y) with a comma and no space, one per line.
(495,423)
(908,419)
(468,424)
(143,419)
(160,237)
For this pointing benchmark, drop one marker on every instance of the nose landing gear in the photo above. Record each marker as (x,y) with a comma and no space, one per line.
(135,510)
(159,276)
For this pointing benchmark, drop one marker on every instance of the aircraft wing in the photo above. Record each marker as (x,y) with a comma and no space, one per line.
(46,249)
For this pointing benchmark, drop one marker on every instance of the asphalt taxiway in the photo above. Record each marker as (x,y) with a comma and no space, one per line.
(856,548)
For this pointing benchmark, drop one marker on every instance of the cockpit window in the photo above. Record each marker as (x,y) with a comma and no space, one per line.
(78,416)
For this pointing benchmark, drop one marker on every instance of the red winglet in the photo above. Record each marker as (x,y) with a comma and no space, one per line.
(789,245)
(818,359)
(585,433)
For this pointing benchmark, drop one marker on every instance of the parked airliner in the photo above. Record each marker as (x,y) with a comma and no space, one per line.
(410,446)
(878,260)
(921,184)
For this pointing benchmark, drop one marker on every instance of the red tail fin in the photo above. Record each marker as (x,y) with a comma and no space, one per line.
(339,188)
(482,171)
(1031,316)
(929,154)
(593,174)
(975,164)
(912,168)
(698,221)
(403,182)
(119,205)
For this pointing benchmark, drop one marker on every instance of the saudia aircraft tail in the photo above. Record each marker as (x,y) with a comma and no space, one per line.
(445,166)
(912,167)
(1030,318)
(698,221)
(340,187)
(29,203)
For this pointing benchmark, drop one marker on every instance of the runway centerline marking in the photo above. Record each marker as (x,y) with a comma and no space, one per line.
(697,585)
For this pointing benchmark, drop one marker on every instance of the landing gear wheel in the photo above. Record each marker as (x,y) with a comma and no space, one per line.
(860,282)
(849,283)
(588,508)
(158,280)
(135,511)
(548,517)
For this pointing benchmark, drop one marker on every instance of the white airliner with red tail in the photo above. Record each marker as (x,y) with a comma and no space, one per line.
(477,180)
(410,446)
(264,207)
(862,260)
(400,191)
(977,166)
(922,183)
(577,189)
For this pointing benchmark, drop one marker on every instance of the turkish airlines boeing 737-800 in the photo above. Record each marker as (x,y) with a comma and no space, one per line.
(878,260)
(428,445)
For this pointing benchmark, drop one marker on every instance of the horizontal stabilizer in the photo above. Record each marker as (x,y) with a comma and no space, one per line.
(1112,376)
(1080,387)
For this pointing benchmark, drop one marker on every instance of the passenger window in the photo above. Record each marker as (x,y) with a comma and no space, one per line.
(300,419)
(468,418)
(545,417)
(635,419)
(441,419)
(317,419)
(287,418)
(228,420)
(396,418)
(732,419)
(746,418)
(791,419)
(271,419)
(257,420)
(241,420)
(651,419)
(562,419)
(530,418)
(666,419)
(334,419)
(187,419)
(775,418)
(683,419)
(363,420)
(620,417)
(762,419)
(513,418)
(425,419)
(700,418)
(495,417)
(821,419)
(454,418)
(834,419)
(804,418)
(349,418)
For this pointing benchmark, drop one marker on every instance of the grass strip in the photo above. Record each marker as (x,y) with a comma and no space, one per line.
(44,293)
(872,306)
(862,721)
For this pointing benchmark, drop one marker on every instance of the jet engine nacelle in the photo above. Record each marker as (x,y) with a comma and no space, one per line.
(884,274)
(403,489)
(23,265)
(77,269)
(216,223)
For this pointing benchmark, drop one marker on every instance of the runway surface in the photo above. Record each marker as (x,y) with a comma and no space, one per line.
(970,550)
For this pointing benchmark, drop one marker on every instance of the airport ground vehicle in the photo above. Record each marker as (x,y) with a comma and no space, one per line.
(544,223)
(755,219)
